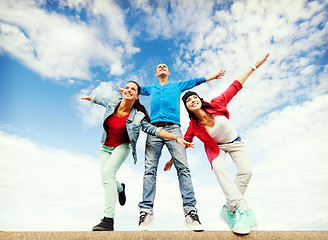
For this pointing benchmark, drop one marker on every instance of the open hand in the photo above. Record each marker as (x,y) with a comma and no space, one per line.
(260,62)
(184,143)
(168,165)
(220,74)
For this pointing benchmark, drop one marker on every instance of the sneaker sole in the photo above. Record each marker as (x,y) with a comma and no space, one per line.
(145,228)
(101,229)
(195,229)
(241,232)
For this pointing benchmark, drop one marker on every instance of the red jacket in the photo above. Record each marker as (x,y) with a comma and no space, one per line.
(219,105)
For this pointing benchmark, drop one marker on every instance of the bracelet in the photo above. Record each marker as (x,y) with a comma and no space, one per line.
(176,138)
(253,66)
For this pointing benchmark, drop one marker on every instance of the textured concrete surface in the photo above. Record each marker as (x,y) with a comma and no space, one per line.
(159,235)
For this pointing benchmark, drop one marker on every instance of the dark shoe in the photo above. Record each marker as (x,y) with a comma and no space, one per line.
(121,196)
(192,221)
(107,224)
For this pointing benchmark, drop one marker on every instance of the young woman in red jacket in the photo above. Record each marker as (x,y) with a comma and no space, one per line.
(209,121)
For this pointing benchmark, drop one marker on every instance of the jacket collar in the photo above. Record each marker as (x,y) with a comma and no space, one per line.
(133,110)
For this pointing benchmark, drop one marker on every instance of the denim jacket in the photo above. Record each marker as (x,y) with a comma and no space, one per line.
(134,123)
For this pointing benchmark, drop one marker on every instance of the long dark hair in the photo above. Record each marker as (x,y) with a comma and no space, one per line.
(205,105)
(137,105)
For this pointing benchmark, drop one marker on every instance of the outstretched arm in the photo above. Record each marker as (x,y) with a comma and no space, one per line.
(143,91)
(102,101)
(244,77)
(216,76)
(178,139)
(88,98)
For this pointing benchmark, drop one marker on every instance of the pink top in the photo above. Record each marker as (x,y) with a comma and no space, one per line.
(219,105)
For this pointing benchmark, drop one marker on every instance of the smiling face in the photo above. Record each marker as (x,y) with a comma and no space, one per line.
(131,91)
(162,70)
(193,103)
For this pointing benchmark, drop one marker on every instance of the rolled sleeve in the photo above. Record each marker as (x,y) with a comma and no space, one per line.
(149,128)
(145,91)
(232,90)
(100,101)
(158,131)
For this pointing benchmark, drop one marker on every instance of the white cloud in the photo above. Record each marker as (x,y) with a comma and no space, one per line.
(53,188)
(92,114)
(58,190)
(59,47)
(234,38)
(50,188)
(288,146)
(289,151)
(241,35)
(170,18)
(109,14)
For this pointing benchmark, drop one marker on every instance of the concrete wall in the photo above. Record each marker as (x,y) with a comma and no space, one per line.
(167,235)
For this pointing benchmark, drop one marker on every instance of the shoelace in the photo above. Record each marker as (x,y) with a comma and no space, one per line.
(231,215)
(193,216)
(105,219)
(142,217)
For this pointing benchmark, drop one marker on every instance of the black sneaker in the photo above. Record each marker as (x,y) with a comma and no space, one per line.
(107,224)
(192,221)
(121,196)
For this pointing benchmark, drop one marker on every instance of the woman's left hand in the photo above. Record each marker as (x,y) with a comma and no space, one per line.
(260,62)
(184,143)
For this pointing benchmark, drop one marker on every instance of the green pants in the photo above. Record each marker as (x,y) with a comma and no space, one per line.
(111,159)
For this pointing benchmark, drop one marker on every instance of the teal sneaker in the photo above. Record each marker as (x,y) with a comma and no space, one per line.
(227,217)
(242,226)
(252,219)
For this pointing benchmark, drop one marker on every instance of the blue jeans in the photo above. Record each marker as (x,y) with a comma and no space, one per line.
(154,146)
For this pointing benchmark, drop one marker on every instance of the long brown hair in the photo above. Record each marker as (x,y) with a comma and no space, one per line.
(137,105)
(205,105)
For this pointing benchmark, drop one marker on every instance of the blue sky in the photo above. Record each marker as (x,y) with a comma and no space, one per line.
(54,52)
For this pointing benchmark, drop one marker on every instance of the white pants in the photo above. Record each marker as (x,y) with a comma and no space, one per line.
(233,189)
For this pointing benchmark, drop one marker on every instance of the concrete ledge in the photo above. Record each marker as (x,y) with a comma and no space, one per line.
(159,235)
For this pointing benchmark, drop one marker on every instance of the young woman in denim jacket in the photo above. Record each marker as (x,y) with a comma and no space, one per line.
(123,120)
(209,121)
